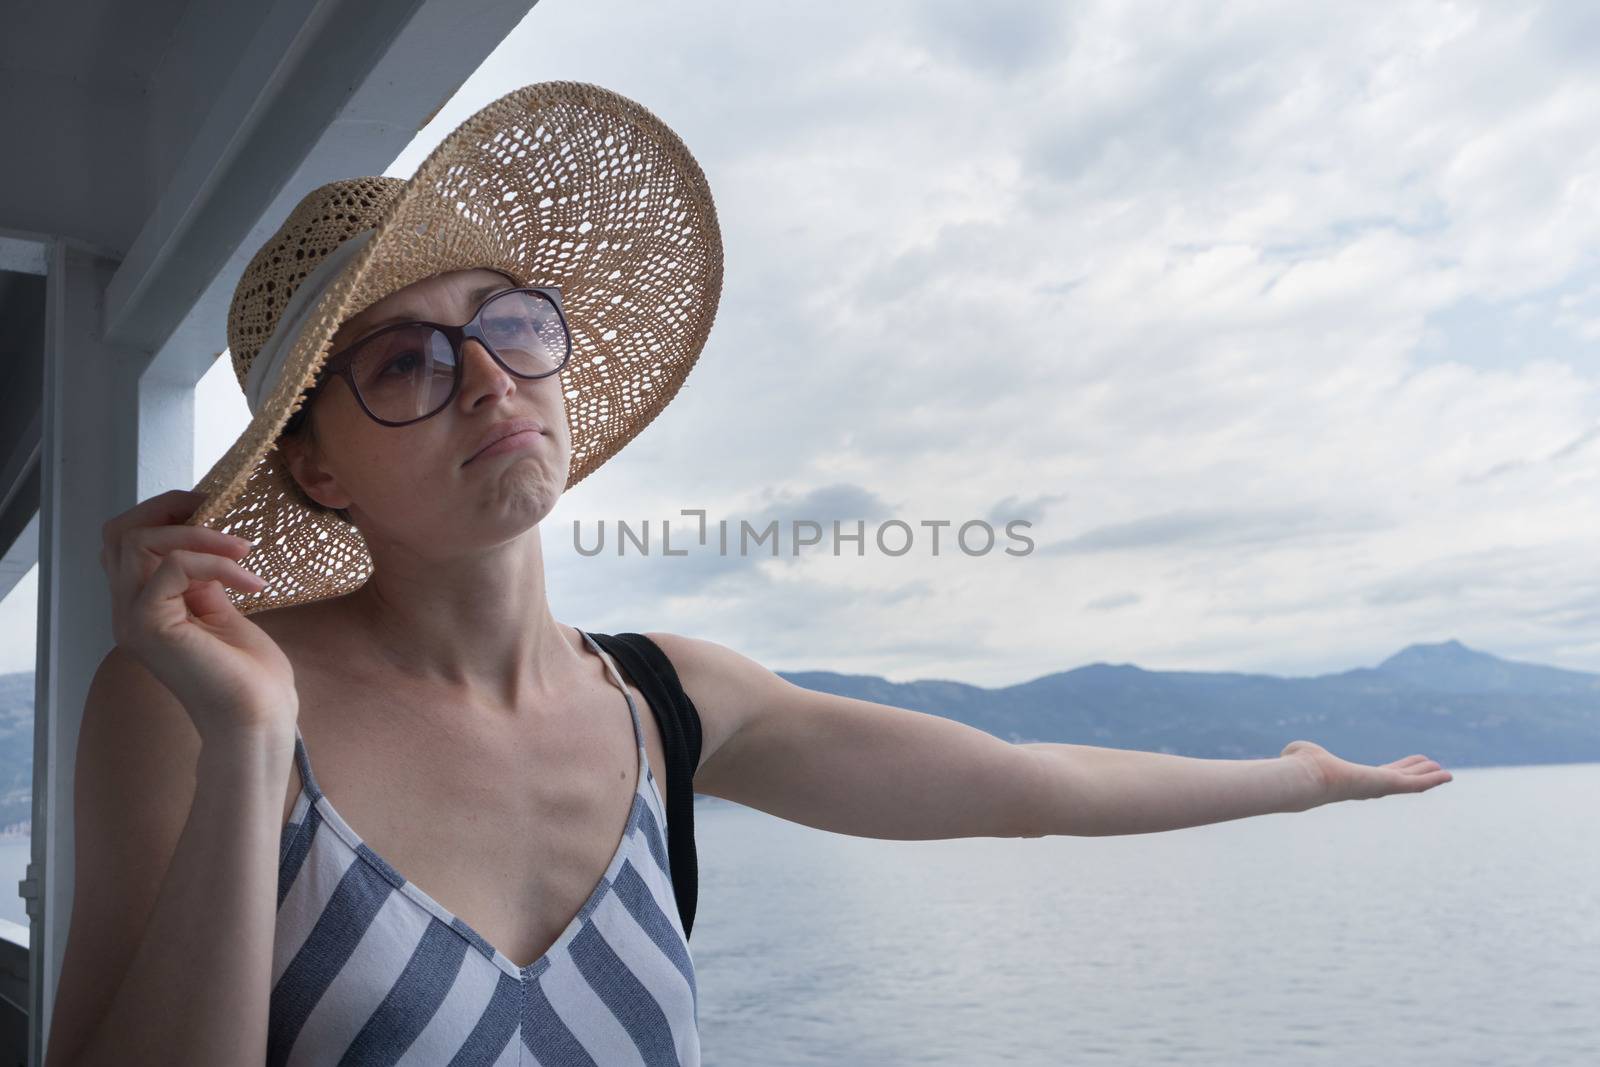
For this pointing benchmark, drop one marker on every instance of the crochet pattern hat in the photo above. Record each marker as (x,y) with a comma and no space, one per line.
(556,184)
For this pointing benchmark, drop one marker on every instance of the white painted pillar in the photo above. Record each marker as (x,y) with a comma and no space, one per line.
(110,440)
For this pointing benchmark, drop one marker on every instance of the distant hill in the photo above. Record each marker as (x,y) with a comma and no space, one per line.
(1451,667)
(1459,706)
(16,748)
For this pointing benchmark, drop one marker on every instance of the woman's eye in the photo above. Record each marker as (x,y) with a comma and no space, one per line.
(400,361)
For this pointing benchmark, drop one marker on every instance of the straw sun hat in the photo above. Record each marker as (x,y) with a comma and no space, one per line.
(556,184)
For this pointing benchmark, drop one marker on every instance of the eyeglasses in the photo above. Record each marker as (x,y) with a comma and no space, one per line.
(410,371)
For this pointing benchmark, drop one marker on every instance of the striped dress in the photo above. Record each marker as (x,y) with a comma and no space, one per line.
(369,969)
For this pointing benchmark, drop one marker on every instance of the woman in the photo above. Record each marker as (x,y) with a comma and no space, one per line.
(493,879)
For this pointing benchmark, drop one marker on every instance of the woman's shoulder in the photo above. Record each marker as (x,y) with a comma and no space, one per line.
(725,687)
(695,663)
(709,665)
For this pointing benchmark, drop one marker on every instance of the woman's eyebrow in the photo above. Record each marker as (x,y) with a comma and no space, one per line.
(475,296)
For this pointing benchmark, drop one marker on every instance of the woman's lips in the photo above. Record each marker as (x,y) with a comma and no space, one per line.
(513,443)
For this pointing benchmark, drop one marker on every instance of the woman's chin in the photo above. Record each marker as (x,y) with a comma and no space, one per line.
(524,493)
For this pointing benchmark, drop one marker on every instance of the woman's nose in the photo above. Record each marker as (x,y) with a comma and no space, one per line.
(481,372)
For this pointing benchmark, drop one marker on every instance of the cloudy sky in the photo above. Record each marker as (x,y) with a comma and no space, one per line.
(1278,323)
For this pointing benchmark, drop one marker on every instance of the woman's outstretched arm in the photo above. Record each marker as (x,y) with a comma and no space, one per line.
(1097,792)
(872,770)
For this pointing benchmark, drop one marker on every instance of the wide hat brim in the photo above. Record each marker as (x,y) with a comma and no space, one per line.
(559,184)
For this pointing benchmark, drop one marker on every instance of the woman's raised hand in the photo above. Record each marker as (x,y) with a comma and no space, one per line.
(170,611)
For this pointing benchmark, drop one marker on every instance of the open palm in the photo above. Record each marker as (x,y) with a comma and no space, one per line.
(1343,780)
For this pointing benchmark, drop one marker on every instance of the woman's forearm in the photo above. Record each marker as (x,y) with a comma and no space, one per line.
(1089,791)
(196,990)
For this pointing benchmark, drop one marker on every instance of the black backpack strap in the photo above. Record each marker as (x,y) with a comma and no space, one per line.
(648,668)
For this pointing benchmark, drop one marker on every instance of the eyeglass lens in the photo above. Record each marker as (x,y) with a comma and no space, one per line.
(407,373)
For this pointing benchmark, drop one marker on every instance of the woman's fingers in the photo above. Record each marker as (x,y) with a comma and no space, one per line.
(1422,776)
(174,505)
(167,538)
(208,602)
(180,567)
(137,546)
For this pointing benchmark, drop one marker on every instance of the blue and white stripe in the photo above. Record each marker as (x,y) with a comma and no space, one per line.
(369,969)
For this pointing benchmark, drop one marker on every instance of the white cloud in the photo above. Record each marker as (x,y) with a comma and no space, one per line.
(1318,280)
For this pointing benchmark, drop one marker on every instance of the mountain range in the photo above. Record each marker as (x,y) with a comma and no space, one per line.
(1454,704)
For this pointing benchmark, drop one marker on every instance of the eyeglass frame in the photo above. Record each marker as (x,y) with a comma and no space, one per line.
(339,363)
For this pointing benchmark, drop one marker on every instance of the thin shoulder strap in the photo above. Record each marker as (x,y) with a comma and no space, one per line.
(642,660)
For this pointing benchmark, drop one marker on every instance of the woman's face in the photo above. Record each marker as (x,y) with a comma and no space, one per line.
(414,483)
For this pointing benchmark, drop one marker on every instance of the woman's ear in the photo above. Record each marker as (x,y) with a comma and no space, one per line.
(302,456)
